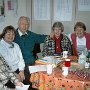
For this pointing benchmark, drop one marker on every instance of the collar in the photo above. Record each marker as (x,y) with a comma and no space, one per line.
(20,33)
(7,44)
(61,36)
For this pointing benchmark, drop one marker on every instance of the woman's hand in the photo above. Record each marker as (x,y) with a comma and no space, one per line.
(21,73)
(51,35)
(19,84)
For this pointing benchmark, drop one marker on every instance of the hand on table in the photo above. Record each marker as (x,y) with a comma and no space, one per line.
(22,75)
(19,84)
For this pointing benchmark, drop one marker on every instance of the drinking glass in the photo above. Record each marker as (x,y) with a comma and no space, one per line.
(67,62)
(65,54)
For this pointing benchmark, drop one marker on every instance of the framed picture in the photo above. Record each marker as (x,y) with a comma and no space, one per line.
(2,8)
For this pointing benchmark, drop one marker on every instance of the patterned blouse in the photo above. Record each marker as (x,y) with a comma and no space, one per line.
(49,46)
(5,74)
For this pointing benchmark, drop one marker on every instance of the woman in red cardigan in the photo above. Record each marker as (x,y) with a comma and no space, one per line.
(80,39)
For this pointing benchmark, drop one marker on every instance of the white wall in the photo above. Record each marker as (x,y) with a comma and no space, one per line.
(44,26)
(25,7)
(11,18)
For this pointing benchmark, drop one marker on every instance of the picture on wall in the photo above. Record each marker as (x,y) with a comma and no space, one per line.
(2,8)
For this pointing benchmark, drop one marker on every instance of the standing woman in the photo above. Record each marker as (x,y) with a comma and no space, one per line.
(58,43)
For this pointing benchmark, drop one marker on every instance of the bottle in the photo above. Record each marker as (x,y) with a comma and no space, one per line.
(87,59)
(86,65)
(82,59)
(88,54)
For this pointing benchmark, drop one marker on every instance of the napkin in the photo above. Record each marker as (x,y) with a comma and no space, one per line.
(24,87)
(37,68)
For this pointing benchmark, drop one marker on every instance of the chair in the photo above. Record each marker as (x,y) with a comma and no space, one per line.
(36,50)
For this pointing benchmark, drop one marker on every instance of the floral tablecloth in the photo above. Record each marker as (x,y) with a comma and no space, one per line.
(56,81)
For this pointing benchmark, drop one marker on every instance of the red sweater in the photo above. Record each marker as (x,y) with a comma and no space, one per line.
(74,46)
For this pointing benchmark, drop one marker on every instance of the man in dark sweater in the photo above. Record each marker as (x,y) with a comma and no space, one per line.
(26,40)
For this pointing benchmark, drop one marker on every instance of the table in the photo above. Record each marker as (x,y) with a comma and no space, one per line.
(56,81)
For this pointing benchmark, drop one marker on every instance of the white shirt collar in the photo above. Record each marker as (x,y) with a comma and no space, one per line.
(81,41)
(20,33)
(5,43)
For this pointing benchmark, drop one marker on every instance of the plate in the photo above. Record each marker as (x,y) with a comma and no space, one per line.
(73,58)
(57,56)
(73,66)
(76,66)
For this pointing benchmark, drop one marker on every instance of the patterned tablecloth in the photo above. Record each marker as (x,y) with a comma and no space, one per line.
(56,81)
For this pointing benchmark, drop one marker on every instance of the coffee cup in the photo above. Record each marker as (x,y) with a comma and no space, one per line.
(65,71)
(49,69)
